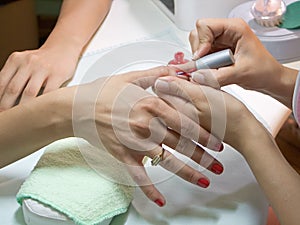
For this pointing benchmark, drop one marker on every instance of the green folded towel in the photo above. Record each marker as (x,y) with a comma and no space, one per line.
(64,181)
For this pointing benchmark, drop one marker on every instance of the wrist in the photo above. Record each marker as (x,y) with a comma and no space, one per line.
(58,105)
(61,42)
(283,86)
(249,134)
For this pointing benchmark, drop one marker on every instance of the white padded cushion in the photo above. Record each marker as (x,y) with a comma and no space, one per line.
(36,213)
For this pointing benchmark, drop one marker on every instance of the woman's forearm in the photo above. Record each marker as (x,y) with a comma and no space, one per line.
(26,128)
(77,23)
(277,178)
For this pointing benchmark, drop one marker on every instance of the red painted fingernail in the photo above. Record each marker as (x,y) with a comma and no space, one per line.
(203,182)
(217,168)
(159,202)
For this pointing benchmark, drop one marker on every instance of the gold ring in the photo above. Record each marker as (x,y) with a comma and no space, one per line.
(158,158)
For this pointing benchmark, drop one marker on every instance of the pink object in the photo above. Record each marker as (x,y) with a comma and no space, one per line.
(296,100)
(178,59)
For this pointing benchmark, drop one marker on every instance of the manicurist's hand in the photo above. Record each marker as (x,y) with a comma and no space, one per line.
(117,114)
(254,68)
(29,73)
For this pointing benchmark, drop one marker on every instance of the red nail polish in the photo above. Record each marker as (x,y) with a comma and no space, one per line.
(221,147)
(217,168)
(159,202)
(203,182)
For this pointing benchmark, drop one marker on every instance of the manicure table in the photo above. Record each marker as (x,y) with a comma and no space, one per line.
(232,198)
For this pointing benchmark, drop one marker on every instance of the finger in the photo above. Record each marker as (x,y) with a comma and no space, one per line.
(208,103)
(198,48)
(205,38)
(190,149)
(181,169)
(194,40)
(52,84)
(14,89)
(146,78)
(184,125)
(140,177)
(7,72)
(215,78)
(32,88)
(216,34)
(206,77)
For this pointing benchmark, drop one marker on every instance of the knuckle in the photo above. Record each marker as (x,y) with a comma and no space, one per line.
(139,124)
(150,192)
(140,179)
(171,163)
(150,103)
(2,84)
(12,89)
(33,59)
(199,23)
(168,163)
(242,25)
(30,91)
(186,129)
(163,69)
(14,56)
(192,177)
(182,144)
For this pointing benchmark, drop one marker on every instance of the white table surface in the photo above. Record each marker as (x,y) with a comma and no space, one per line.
(127,22)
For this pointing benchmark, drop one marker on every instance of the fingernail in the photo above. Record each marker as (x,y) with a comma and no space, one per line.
(220,147)
(159,202)
(203,182)
(198,77)
(217,168)
(162,85)
(196,55)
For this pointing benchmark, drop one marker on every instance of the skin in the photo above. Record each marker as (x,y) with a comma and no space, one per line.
(30,73)
(277,178)
(254,69)
(251,65)
(74,111)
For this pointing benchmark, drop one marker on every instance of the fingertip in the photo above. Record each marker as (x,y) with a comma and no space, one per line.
(198,77)
(217,168)
(160,202)
(154,195)
(196,54)
(203,182)
(162,84)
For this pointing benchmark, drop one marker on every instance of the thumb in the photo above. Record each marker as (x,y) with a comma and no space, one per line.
(147,78)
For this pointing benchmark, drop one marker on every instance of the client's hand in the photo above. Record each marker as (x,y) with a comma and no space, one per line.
(116,113)
(218,112)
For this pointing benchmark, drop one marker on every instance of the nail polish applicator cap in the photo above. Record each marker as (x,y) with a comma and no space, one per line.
(215,60)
